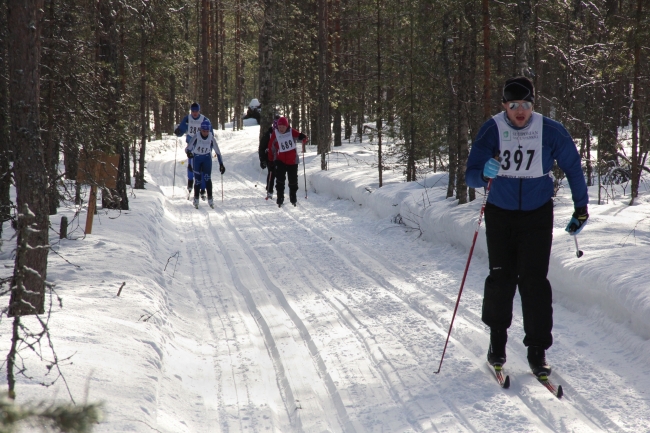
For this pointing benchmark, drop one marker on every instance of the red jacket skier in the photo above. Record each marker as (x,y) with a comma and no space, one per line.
(284,155)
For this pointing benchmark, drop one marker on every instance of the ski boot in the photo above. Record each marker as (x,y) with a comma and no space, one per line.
(537,362)
(196,202)
(497,351)
(211,202)
(189,192)
(294,203)
(269,196)
(203,195)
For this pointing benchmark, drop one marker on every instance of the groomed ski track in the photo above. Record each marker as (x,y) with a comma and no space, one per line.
(325,318)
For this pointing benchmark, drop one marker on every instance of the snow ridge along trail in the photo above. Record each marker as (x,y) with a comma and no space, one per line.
(325,318)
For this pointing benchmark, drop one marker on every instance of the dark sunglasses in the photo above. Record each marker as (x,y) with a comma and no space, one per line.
(525,105)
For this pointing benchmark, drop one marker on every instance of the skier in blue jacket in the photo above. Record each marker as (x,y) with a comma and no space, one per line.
(190,125)
(200,149)
(515,150)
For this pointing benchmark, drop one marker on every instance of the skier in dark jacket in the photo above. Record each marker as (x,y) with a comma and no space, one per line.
(516,149)
(264,159)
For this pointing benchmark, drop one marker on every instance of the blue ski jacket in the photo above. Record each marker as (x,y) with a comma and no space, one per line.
(527,194)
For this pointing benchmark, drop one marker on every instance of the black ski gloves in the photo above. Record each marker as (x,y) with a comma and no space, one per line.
(222,169)
(262,165)
(578,220)
(189,154)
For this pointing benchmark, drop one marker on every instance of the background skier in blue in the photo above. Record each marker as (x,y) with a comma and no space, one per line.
(190,125)
(200,149)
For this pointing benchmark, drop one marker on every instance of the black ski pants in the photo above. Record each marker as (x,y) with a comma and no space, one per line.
(270,178)
(284,171)
(519,250)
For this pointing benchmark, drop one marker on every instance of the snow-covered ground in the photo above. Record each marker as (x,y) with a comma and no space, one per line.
(331,317)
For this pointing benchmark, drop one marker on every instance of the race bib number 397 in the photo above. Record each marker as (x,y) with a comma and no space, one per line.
(521,150)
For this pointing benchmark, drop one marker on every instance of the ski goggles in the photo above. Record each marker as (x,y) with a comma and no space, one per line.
(525,105)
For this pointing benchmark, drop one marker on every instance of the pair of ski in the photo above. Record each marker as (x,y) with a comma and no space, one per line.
(504,381)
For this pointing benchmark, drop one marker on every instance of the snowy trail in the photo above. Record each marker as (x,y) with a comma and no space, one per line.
(337,320)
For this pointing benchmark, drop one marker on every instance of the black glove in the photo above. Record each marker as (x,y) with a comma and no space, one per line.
(178,132)
(262,165)
(222,169)
(189,154)
(578,220)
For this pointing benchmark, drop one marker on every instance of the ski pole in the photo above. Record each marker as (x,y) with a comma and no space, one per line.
(304,172)
(175,156)
(469,258)
(258,177)
(578,252)
(222,188)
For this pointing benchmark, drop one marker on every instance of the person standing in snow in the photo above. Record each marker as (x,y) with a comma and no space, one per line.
(264,159)
(515,150)
(190,125)
(283,153)
(200,149)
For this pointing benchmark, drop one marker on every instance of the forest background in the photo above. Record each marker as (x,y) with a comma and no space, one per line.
(420,75)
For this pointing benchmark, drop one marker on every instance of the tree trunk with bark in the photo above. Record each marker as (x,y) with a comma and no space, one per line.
(266,68)
(324,134)
(524,10)
(139,180)
(379,96)
(636,170)
(6,153)
(487,110)
(204,97)
(24,45)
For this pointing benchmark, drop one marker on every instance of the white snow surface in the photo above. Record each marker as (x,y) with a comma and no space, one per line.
(331,316)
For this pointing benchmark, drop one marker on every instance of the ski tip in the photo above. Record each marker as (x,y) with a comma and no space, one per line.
(506,383)
(560,391)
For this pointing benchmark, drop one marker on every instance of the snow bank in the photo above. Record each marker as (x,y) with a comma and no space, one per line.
(611,278)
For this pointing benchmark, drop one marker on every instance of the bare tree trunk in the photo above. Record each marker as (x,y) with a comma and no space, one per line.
(465,81)
(636,170)
(266,68)
(379,96)
(6,153)
(336,6)
(171,111)
(487,110)
(216,70)
(238,66)
(139,181)
(157,124)
(324,134)
(50,141)
(204,97)
(24,45)
(524,11)
(222,65)
(451,106)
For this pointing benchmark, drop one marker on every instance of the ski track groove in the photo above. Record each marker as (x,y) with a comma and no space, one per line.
(347,316)
(192,253)
(385,359)
(280,372)
(414,304)
(413,419)
(417,301)
(343,416)
(414,301)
